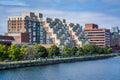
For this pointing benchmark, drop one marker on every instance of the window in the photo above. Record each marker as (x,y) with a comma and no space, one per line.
(30,35)
(20,18)
(34,24)
(41,41)
(30,41)
(34,33)
(34,39)
(13,18)
(29,30)
(48,36)
(41,38)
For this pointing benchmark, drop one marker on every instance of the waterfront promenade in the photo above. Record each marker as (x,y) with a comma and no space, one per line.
(41,62)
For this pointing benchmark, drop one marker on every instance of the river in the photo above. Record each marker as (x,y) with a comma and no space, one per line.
(105,69)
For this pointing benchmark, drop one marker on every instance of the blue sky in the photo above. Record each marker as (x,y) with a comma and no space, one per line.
(105,13)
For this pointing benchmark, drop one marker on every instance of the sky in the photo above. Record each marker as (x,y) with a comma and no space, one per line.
(105,13)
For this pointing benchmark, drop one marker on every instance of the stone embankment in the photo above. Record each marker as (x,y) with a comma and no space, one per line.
(12,65)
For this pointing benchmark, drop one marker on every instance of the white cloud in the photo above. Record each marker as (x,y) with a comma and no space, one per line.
(103,20)
(13,2)
(116,2)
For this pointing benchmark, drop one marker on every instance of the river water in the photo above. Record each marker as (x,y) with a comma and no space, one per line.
(105,69)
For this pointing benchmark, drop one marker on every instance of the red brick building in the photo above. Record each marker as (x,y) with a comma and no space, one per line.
(19,37)
(6,40)
(9,39)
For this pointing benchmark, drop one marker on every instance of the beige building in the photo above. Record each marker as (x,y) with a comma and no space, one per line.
(46,30)
(98,36)
(29,23)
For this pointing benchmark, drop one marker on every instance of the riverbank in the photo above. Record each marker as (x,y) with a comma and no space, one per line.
(29,63)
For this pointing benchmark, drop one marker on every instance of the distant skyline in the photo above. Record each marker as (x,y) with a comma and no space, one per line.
(105,13)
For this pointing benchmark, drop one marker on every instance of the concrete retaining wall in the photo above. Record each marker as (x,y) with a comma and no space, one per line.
(49,62)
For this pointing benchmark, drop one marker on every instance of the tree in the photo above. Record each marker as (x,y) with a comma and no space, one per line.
(14,52)
(23,50)
(54,51)
(79,52)
(109,50)
(101,50)
(94,49)
(91,49)
(74,50)
(66,51)
(41,51)
(3,53)
(88,49)
(105,50)
(30,52)
(36,46)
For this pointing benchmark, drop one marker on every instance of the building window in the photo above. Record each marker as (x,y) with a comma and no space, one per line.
(34,24)
(41,41)
(29,30)
(34,33)
(30,41)
(20,18)
(30,35)
(41,37)
(13,18)
(34,39)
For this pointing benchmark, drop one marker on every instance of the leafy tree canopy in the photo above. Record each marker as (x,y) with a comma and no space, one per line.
(14,52)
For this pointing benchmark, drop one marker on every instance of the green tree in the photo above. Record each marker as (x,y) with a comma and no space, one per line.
(109,50)
(41,51)
(66,52)
(30,52)
(87,48)
(96,49)
(80,52)
(90,49)
(74,50)
(36,46)
(23,51)
(3,53)
(105,50)
(14,52)
(54,51)
(101,50)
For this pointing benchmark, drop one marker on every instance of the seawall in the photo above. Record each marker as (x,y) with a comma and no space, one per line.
(10,65)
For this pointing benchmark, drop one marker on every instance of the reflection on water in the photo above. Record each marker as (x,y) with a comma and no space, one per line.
(106,69)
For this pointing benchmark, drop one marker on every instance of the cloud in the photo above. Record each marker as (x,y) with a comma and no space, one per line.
(13,3)
(115,2)
(81,17)
(103,20)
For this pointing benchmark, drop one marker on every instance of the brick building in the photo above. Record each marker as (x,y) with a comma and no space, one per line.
(33,28)
(98,36)
(6,40)
(28,25)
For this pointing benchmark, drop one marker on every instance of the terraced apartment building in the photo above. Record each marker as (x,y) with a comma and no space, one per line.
(45,30)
